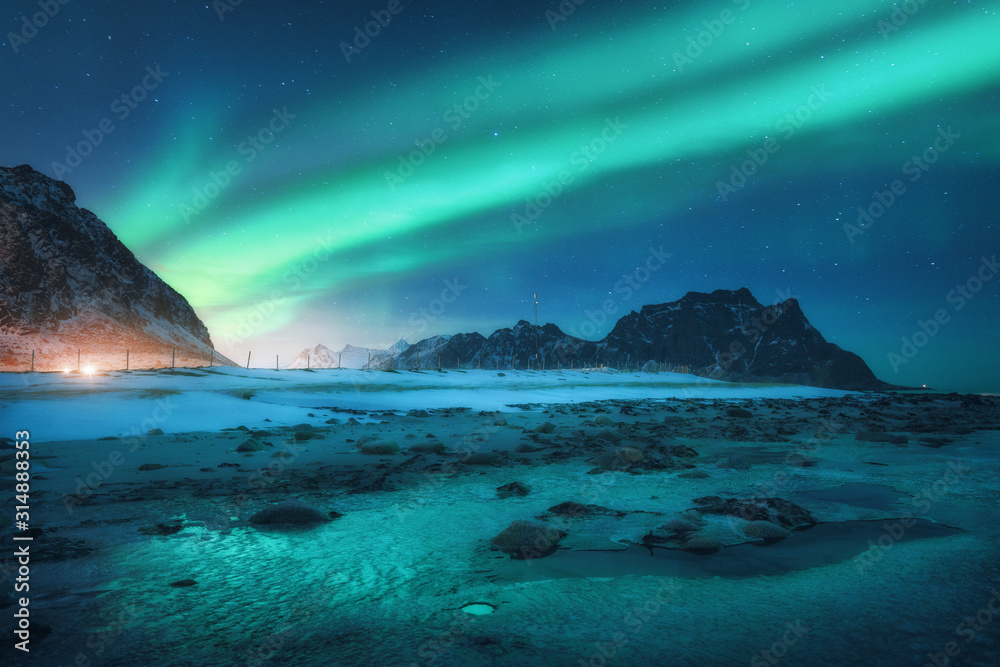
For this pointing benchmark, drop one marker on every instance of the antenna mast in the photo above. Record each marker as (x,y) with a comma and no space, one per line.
(536,327)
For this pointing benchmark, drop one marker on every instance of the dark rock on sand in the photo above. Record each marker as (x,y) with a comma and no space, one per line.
(290,512)
(739,413)
(776,510)
(576,510)
(524,540)
(513,489)
(878,436)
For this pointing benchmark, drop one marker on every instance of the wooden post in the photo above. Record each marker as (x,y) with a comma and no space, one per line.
(77,360)
(126,358)
(173,358)
(439,361)
(339,355)
(248,359)
(275,362)
(211,360)
(308,361)
(32,361)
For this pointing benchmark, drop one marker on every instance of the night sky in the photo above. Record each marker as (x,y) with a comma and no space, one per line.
(301,182)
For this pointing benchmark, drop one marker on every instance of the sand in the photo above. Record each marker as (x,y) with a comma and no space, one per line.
(144,552)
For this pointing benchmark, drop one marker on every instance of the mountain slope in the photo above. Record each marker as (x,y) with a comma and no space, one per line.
(726,335)
(69,286)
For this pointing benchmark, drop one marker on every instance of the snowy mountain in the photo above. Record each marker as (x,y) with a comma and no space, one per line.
(349,357)
(725,335)
(69,289)
(315,357)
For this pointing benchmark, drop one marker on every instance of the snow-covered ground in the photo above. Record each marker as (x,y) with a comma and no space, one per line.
(71,406)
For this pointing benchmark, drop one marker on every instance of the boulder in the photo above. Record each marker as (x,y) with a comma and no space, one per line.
(514,489)
(524,540)
(291,512)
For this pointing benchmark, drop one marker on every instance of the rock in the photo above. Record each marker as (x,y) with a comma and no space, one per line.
(603,420)
(694,474)
(576,510)
(514,489)
(776,510)
(302,428)
(682,452)
(422,414)
(679,525)
(702,544)
(302,436)
(525,448)
(673,419)
(546,427)
(184,583)
(381,448)
(739,413)
(622,458)
(290,512)
(250,445)
(610,436)
(765,530)
(163,529)
(146,467)
(524,540)
(480,459)
(430,447)
(735,462)
(155,431)
(878,436)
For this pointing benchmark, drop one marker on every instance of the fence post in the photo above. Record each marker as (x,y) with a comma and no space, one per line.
(276,362)
(248,359)
(211,360)
(77,360)
(32,361)
(173,358)
(339,355)
(126,358)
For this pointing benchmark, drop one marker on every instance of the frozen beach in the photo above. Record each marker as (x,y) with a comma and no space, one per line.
(679,521)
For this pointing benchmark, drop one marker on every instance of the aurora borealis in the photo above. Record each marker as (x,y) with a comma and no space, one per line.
(310,172)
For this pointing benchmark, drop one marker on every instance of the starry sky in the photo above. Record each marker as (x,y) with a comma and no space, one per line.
(360,171)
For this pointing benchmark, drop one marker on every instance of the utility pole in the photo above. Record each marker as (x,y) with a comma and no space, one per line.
(536,329)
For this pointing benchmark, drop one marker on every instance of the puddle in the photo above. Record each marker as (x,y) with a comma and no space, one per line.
(823,544)
(856,494)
